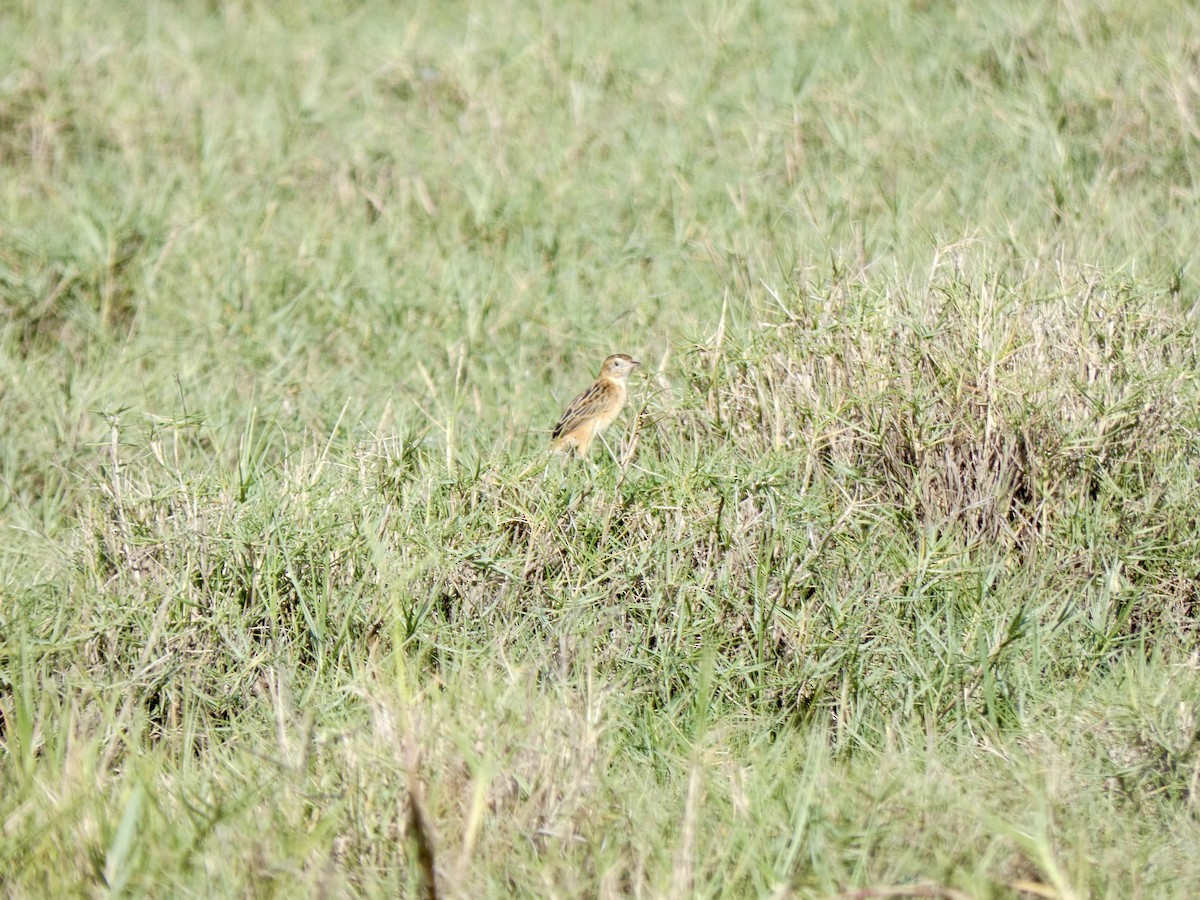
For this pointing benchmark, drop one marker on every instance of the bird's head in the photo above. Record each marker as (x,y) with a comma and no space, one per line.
(618,366)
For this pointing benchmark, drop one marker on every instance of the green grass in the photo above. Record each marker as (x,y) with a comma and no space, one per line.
(887,587)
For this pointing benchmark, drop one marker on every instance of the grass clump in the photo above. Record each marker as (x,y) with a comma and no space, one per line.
(886,588)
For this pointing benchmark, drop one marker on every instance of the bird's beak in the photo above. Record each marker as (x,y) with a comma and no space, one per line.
(636,363)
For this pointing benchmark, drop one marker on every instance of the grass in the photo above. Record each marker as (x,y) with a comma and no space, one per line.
(886,587)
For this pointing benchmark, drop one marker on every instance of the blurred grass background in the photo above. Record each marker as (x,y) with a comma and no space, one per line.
(893,590)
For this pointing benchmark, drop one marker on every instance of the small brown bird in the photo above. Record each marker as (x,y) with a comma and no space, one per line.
(596,408)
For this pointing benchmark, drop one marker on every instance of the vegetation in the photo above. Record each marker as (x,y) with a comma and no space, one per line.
(887,586)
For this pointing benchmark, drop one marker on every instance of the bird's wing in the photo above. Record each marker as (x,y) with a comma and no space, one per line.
(595,400)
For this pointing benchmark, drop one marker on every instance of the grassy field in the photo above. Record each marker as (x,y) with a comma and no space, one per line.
(888,584)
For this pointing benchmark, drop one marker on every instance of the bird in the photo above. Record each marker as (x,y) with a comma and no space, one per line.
(595,409)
